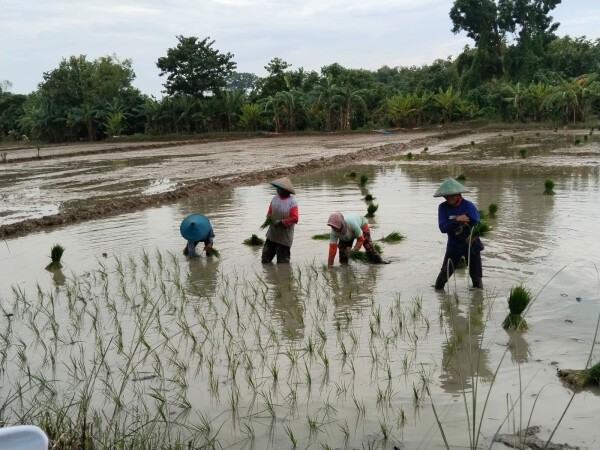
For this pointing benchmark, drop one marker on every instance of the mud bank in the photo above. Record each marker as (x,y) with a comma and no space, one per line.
(94,209)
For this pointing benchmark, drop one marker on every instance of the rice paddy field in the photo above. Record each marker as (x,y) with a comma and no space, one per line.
(133,345)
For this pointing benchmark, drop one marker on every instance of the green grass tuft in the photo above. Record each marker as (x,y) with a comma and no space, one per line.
(371,209)
(213,252)
(254,240)
(321,237)
(363,179)
(493,209)
(55,255)
(549,187)
(394,236)
(368,198)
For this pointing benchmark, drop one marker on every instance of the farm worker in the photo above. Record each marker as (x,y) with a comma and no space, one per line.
(283,211)
(456,217)
(344,229)
(196,228)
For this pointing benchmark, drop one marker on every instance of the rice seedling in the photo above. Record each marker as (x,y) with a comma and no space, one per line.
(473,142)
(585,137)
(425,149)
(482,228)
(290,434)
(577,141)
(358,255)
(55,255)
(368,198)
(352,174)
(321,237)
(580,379)
(523,153)
(548,187)
(393,237)
(363,180)
(211,251)
(461,177)
(409,155)
(254,240)
(268,222)
(371,209)
(518,300)
(492,209)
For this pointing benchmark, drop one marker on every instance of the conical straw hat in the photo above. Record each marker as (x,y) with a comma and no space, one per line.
(195,227)
(450,187)
(284,183)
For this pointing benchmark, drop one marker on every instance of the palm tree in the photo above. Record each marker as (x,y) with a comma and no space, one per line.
(347,98)
(251,116)
(446,102)
(271,106)
(232,102)
(324,99)
(537,94)
(515,95)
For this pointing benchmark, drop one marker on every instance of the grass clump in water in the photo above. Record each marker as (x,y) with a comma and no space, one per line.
(363,179)
(461,177)
(493,209)
(359,255)
(549,187)
(321,237)
(582,378)
(254,240)
(518,300)
(55,255)
(368,198)
(394,236)
(371,209)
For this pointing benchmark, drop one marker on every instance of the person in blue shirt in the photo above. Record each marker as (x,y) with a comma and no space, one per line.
(456,217)
(196,228)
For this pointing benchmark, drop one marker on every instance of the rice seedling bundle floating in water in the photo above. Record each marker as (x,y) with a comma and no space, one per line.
(352,174)
(358,255)
(371,209)
(363,179)
(321,237)
(492,209)
(368,198)
(254,240)
(55,255)
(518,300)
(549,187)
(393,237)
(582,378)
(461,177)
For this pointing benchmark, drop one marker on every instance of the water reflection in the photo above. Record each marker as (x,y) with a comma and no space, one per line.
(287,303)
(463,357)
(352,287)
(203,275)
(519,348)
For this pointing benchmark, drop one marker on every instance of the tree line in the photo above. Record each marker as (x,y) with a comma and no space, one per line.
(517,69)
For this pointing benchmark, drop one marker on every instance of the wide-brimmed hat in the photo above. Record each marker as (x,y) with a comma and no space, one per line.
(195,227)
(450,187)
(284,183)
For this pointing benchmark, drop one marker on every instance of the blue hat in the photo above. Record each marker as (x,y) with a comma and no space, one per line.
(195,227)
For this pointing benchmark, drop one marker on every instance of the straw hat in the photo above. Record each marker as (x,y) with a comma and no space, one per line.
(450,187)
(195,227)
(284,183)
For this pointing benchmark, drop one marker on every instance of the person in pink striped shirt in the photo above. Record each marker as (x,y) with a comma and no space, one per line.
(283,211)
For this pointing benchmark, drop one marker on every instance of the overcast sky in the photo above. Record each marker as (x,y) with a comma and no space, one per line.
(35,35)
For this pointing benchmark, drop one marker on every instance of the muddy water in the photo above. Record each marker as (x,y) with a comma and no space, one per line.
(548,243)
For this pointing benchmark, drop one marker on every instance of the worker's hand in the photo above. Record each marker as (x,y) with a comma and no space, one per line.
(208,246)
(462,218)
(356,248)
(277,223)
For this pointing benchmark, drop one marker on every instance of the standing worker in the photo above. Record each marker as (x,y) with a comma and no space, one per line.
(283,214)
(196,228)
(456,217)
(344,229)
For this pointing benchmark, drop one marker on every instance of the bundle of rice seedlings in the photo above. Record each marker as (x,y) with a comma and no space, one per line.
(482,214)
(582,378)
(358,255)
(254,240)
(213,252)
(461,177)
(368,198)
(268,221)
(492,209)
(363,179)
(394,236)
(55,255)
(377,248)
(409,155)
(352,174)
(523,152)
(482,228)
(549,187)
(518,299)
(371,209)
(321,237)
(425,149)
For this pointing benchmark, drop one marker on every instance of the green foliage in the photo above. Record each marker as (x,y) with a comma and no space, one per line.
(493,209)
(460,177)
(482,228)
(254,240)
(518,299)
(251,116)
(211,251)
(55,255)
(371,209)
(548,187)
(194,68)
(321,237)
(268,222)
(358,255)
(363,180)
(393,237)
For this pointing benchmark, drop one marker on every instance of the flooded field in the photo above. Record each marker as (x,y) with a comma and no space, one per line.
(133,344)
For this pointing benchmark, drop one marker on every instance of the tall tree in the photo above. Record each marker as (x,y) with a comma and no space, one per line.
(195,68)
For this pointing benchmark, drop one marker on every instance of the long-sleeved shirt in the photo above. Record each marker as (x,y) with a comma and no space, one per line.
(457,232)
(284,209)
(355,225)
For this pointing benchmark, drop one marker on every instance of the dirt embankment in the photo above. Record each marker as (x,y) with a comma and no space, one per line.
(97,209)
